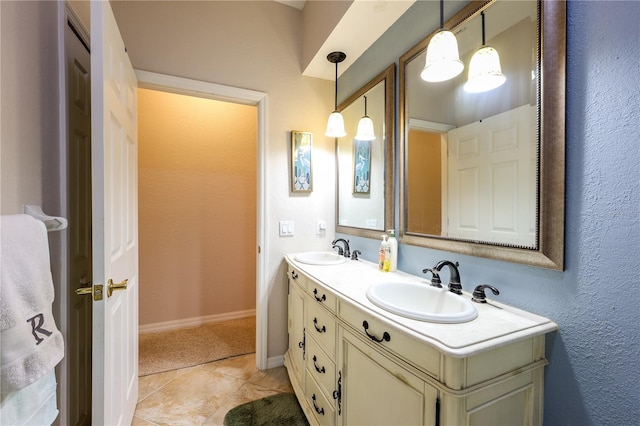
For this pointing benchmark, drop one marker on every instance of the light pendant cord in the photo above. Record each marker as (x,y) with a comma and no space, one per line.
(482,14)
(335,108)
(441,14)
(365,106)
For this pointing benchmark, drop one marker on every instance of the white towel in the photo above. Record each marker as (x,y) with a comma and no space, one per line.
(32,405)
(31,342)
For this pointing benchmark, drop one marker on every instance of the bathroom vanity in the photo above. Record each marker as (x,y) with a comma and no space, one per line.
(353,363)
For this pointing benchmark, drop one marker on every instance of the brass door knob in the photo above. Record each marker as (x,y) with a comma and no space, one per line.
(111,286)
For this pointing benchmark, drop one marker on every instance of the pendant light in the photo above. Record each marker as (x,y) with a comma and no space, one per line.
(365,126)
(485,72)
(443,60)
(335,124)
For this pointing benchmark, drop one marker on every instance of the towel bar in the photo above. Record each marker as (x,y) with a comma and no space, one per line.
(53,223)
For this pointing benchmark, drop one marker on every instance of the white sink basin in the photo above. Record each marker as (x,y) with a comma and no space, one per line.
(320,258)
(422,302)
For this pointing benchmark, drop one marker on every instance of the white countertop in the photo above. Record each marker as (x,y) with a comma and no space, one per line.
(497,324)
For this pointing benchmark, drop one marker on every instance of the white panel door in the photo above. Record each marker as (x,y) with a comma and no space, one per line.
(115,231)
(491,184)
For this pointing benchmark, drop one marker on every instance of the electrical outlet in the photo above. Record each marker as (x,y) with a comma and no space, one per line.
(321,226)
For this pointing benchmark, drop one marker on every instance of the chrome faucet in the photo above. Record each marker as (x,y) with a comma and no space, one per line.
(454,275)
(342,251)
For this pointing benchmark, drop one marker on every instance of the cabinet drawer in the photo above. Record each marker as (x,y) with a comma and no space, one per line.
(321,367)
(322,296)
(321,325)
(297,277)
(417,353)
(322,408)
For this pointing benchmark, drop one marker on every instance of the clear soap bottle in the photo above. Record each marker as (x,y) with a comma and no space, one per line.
(393,250)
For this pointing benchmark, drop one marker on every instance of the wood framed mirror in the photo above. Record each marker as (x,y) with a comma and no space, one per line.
(483,173)
(364,184)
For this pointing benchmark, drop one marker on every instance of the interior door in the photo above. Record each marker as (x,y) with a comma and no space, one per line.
(490,179)
(114,226)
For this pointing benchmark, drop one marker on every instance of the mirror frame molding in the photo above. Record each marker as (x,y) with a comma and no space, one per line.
(551,169)
(388,76)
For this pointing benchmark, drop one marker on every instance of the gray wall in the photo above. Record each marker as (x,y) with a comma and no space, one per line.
(29,106)
(592,378)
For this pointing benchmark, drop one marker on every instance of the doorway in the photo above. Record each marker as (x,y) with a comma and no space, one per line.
(78,321)
(197,221)
(202,89)
(161,82)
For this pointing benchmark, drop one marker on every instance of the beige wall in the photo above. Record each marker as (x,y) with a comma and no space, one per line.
(197,206)
(255,45)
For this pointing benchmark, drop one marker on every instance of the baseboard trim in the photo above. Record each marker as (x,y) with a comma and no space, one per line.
(275,361)
(194,322)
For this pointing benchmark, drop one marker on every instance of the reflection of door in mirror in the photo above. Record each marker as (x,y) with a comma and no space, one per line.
(492,185)
(475,182)
(471,158)
(508,202)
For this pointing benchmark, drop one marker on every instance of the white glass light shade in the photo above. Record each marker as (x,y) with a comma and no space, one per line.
(365,129)
(335,126)
(443,60)
(485,72)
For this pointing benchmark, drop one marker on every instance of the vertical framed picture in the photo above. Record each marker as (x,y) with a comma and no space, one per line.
(361,167)
(301,166)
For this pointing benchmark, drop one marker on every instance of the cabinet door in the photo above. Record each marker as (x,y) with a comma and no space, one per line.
(377,391)
(296,329)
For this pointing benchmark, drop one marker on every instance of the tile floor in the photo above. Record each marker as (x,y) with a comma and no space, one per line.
(202,395)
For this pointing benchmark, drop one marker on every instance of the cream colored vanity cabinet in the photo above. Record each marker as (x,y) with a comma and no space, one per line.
(376,389)
(388,377)
(351,364)
(310,359)
(295,325)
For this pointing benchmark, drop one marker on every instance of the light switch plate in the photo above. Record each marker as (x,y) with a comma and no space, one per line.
(287,228)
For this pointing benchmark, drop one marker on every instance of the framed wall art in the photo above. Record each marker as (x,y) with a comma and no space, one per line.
(301,166)
(361,166)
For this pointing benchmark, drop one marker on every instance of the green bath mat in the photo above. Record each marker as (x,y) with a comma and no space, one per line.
(279,409)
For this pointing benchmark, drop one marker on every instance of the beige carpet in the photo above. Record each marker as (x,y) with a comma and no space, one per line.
(170,350)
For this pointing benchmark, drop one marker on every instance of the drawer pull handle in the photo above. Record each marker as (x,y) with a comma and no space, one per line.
(319,370)
(294,275)
(385,337)
(319,299)
(318,410)
(319,330)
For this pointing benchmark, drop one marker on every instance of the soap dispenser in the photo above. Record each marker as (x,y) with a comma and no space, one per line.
(384,256)
(393,249)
